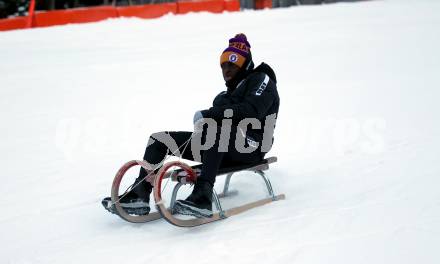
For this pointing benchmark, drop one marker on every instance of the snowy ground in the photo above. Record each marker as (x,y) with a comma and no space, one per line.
(357,137)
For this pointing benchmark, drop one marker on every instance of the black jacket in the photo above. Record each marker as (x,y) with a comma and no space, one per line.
(255,96)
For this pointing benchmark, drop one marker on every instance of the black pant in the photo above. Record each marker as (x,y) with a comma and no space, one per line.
(212,159)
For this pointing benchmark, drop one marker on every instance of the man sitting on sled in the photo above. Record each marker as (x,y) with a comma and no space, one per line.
(238,128)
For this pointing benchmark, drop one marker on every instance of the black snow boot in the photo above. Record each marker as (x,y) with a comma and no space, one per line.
(199,202)
(131,203)
(135,202)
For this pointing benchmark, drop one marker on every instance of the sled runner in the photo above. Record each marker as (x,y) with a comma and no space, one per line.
(183,174)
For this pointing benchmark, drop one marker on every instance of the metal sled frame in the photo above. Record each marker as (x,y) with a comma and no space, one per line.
(168,214)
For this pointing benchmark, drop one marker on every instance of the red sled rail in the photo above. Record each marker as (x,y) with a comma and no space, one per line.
(94,14)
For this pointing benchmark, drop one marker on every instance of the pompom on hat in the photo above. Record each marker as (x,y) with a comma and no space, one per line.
(238,52)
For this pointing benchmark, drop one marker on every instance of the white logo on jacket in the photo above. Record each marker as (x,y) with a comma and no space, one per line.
(262,86)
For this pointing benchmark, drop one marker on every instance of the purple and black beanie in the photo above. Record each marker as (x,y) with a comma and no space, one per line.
(238,52)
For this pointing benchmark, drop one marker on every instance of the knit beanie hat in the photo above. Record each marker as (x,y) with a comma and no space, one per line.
(238,52)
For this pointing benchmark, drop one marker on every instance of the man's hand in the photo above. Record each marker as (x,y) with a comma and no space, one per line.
(197,116)
(198,122)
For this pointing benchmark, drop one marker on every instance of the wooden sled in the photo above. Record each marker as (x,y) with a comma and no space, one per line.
(182,174)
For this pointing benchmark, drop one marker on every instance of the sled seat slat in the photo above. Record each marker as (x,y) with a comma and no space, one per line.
(263,165)
(260,166)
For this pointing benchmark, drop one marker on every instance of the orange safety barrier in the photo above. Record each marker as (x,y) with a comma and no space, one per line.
(147,11)
(214,6)
(82,15)
(232,5)
(93,14)
(261,4)
(13,23)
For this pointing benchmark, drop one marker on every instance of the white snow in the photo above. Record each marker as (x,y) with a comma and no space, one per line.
(357,136)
